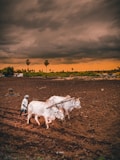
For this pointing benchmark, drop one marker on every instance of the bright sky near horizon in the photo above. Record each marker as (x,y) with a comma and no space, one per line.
(79,34)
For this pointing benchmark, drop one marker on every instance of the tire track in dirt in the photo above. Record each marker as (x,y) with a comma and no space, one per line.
(66,146)
(12,110)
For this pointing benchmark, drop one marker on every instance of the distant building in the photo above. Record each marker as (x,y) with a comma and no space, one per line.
(18,74)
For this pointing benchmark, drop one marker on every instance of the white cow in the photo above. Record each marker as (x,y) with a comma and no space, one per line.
(40,108)
(67,103)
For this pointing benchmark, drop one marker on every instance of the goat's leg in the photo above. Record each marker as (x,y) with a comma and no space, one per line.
(46,122)
(67,114)
(36,119)
(28,118)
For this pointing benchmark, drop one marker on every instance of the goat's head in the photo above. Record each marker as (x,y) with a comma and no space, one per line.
(77,103)
(58,113)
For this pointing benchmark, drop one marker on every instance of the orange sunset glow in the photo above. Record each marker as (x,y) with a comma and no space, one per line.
(83,66)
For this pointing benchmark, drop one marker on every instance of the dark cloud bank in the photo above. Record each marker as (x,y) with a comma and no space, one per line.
(60,29)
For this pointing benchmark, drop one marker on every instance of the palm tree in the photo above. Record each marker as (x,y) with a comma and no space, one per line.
(46,63)
(72,69)
(28,63)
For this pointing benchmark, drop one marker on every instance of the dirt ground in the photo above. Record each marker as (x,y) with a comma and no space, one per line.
(92,133)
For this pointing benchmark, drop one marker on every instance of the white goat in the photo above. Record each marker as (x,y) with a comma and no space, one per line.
(66,103)
(39,108)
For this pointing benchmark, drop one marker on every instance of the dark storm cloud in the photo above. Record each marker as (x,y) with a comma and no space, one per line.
(60,29)
(47,5)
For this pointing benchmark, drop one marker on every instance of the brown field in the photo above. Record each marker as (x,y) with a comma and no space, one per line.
(92,133)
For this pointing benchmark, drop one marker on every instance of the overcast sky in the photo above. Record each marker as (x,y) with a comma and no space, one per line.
(68,30)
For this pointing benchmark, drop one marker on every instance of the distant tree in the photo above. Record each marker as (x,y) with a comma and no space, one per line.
(27,63)
(19,71)
(8,71)
(72,69)
(46,63)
